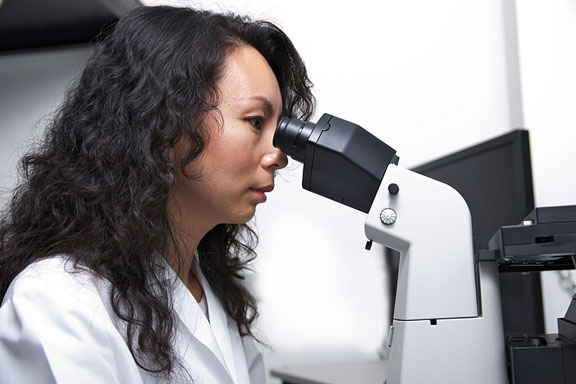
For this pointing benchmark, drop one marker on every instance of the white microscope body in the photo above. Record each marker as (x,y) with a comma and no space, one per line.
(447,326)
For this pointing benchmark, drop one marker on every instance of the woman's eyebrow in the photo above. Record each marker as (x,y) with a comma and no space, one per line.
(268,106)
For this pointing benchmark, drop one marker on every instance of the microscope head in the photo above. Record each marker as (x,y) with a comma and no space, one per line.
(342,161)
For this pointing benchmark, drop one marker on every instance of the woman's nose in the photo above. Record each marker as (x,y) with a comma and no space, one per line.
(274,160)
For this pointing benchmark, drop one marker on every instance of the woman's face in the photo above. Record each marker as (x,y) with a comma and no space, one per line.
(237,166)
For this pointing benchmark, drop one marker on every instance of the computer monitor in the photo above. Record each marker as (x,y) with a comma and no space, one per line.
(495,179)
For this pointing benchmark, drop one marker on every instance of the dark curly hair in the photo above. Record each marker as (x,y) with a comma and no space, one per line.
(97,187)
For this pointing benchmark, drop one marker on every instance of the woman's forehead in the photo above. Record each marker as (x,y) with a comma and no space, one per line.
(247,76)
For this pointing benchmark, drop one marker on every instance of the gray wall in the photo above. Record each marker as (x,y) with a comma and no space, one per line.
(32,85)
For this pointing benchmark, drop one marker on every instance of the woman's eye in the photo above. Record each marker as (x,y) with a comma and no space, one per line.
(256,122)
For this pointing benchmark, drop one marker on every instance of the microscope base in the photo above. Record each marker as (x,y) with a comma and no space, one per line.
(440,351)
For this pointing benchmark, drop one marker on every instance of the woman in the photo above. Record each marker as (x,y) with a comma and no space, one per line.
(123,249)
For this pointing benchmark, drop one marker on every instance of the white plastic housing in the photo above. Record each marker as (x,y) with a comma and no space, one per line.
(433,233)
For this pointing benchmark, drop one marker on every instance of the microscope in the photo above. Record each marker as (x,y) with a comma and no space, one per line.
(447,325)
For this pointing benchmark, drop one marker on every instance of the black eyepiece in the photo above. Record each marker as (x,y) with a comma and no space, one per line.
(291,137)
(342,161)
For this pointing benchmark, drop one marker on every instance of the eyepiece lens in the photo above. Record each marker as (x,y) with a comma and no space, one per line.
(279,133)
(291,137)
(286,135)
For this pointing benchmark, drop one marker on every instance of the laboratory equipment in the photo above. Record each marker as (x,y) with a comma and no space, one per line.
(545,240)
(447,324)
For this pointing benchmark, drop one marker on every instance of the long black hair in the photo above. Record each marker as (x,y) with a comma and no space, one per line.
(97,187)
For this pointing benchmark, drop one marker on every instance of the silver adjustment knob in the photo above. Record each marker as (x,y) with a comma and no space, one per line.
(388,216)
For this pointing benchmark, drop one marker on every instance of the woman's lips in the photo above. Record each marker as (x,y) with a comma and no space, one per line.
(261,191)
(268,188)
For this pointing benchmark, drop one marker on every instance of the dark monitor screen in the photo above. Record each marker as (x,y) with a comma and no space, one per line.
(495,179)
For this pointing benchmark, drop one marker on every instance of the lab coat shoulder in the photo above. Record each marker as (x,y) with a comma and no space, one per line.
(53,319)
(57,326)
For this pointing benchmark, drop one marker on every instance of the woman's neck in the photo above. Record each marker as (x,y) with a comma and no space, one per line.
(187,236)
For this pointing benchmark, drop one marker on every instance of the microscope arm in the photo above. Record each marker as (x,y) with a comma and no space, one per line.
(447,324)
(432,232)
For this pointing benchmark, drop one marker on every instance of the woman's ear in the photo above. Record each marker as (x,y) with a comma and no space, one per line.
(170,155)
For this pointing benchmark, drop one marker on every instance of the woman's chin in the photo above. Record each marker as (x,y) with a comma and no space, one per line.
(243,217)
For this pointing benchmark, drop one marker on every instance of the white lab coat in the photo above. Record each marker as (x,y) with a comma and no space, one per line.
(57,326)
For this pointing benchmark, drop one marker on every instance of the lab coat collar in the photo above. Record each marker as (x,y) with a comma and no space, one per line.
(222,327)
(215,335)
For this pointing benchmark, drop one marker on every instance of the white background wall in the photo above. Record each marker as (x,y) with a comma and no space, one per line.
(426,77)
